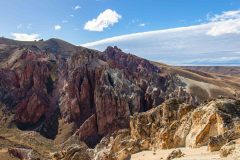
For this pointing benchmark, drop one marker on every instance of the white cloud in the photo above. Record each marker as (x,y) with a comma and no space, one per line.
(225,27)
(57,27)
(77,7)
(184,45)
(104,20)
(71,15)
(228,15)
(25,37)
(142,25)
(225,23)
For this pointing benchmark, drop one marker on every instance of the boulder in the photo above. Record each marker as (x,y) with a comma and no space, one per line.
(175,154)
(72,152)
(227,149)
(231,149)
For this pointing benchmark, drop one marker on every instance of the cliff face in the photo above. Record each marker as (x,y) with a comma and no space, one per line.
(186,126)
(175,124)
(42,83)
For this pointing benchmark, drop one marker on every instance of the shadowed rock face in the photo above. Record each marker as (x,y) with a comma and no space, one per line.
(43,82)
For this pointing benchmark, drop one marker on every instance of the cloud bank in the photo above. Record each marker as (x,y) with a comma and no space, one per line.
(25,37)
(77,7)
(215,42)
(104,20)
(57,27)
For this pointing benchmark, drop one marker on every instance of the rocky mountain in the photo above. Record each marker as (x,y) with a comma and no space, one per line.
(67,99)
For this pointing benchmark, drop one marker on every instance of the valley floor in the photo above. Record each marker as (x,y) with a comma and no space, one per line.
(189,154)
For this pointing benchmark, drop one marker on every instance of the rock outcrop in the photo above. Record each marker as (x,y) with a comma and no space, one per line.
(175,154)
(174,124)
(231,149)
(227,149)
(73,152)
(20,153)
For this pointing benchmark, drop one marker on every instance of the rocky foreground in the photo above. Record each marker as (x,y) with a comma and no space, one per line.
(59,101)
(174,125)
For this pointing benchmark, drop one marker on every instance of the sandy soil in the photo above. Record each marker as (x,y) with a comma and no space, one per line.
(190,154)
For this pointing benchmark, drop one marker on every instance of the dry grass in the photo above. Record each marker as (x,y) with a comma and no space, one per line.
(65,130)
(225,85)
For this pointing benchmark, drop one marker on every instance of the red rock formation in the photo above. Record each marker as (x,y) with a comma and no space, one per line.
(96,91)
(111,86)
(88,128)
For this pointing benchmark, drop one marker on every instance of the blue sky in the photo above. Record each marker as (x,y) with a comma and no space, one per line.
(85,21)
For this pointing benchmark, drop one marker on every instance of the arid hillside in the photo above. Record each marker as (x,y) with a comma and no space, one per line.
(221,70)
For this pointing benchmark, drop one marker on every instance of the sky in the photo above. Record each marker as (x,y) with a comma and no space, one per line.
(176,32)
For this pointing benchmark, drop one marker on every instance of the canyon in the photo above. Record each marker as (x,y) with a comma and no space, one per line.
(60,101)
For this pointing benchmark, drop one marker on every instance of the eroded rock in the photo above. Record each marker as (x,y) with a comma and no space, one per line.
(175,154)
(164,127)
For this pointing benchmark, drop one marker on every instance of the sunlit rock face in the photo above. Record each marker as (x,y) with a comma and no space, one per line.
(175,124)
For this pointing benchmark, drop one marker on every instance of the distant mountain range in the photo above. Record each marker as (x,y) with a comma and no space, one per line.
(221,70)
